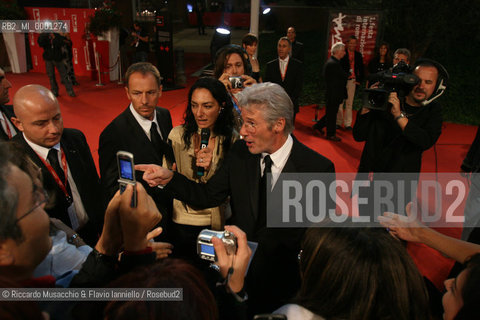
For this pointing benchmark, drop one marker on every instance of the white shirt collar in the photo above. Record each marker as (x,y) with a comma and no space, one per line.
(284,60)
(145,123)
(41,151)
(279,158)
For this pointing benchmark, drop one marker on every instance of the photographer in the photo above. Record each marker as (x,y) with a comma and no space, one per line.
(231,62)
(396,136)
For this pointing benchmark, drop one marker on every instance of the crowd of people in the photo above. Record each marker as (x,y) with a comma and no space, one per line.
(62,225)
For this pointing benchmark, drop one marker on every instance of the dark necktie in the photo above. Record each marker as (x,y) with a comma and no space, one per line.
(53,160)
(262,209)
(157,141)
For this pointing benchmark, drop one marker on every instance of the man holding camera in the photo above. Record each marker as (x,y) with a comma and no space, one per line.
(396,137)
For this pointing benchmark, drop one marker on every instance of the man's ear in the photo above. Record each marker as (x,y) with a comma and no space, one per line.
(7,258)
(160,90)
(17,123)
(128,94)
(279,125)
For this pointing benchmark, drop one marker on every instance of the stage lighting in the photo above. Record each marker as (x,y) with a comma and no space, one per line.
(222,31)
(266,11)
(189,8)
(220,38)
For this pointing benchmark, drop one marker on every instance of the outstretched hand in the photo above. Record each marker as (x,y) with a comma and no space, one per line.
(403,227)
(154,174)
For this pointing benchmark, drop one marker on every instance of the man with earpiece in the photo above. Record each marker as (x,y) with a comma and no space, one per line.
(395,139)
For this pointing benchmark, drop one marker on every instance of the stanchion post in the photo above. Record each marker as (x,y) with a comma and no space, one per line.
(97,64)
(119,61)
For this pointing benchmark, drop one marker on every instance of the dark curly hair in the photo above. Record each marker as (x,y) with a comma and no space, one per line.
(224,53)
(225,121)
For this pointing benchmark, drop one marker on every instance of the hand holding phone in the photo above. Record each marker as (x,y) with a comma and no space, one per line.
(126,173)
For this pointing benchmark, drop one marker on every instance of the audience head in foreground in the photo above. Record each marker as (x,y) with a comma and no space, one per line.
(461,301)
(359,273)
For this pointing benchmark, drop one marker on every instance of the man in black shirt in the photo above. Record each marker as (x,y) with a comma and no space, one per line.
(396,138)
(140,43)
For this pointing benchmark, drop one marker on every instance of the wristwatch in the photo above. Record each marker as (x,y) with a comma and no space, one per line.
(402,115)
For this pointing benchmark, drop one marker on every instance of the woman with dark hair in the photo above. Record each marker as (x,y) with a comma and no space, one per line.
(461,301)
(382,60)
(197,303)
(249,44)
(356,273)
(209,107)
(231,62)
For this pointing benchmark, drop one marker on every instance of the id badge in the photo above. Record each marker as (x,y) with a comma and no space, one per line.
(72,214)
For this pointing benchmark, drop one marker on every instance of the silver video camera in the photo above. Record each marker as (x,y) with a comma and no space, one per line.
(205,247)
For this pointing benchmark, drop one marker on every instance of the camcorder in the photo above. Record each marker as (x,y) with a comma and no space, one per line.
(399,79)
(236,82)
(205,247)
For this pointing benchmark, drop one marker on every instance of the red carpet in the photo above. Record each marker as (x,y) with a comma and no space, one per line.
(94,107)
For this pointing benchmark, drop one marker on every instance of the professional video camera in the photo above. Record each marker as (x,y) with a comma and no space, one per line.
(399,79)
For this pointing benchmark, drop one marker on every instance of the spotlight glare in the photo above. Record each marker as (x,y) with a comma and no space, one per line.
(223,31)
(189,8)
(266,11)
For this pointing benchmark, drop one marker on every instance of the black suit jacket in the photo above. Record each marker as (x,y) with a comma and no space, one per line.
(297,51)
(359,67)
(336,81)
(8,112)
(293,78)
(84,173)
(124,133)
(273,276)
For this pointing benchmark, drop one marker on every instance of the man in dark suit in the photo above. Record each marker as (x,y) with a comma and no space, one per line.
(68,170)
(297,46)
(267,146)
(286,71)
(352,63)
(336,79)
(7,129)
(141,129)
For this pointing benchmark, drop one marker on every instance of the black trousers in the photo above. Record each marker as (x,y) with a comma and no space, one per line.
(329,119)
(60,65)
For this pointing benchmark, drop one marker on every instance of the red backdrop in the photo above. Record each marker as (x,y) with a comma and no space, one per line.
(83,56)
(364,26)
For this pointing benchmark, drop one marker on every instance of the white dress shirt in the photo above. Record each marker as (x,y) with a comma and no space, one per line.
(283,66)
(145,123)
(279,159)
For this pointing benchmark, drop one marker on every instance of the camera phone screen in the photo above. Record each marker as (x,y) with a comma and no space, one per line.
(126,171)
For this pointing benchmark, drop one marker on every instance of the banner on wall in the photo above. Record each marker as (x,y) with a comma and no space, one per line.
(83,55)
(362,25)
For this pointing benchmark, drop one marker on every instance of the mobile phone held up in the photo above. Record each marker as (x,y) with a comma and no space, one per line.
(126,174)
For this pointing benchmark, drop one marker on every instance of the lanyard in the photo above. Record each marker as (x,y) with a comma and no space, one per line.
(7,127)
(61,185)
